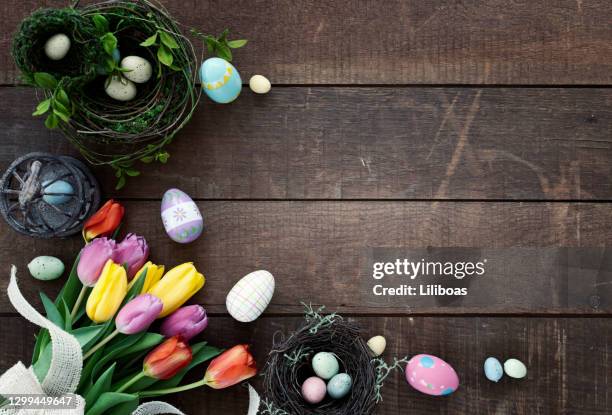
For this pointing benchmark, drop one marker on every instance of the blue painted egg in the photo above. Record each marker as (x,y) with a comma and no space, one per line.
(339,386)
(220,80)
(57,192)
(493,369)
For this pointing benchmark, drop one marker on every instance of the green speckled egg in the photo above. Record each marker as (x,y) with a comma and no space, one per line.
(325,365)
(46,268)
(339,386)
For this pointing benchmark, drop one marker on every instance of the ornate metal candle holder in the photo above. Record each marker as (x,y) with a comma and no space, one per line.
(48,196)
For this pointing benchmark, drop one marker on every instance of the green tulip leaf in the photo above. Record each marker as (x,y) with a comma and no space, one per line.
(109,400)
(53,313)
(102,385)
(72,287)
(126,408)
(136,288)
(87,335)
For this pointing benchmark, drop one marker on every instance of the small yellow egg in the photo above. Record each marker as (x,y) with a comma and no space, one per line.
(377,344)
(260,84)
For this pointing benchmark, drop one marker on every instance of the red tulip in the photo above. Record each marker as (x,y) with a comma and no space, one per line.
(167,359)
(231,367)
(104,221)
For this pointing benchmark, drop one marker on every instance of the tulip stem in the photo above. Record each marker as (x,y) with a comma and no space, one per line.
(131,382)
(79,300)
(101,344)
(173,390)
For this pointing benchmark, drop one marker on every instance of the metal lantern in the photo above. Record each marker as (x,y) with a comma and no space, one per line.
(48,196)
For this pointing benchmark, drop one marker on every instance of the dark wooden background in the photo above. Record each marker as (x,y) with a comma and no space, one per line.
(391,123)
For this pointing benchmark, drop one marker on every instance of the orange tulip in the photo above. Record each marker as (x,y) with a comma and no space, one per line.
(104,221)
(167,359)
(231,367)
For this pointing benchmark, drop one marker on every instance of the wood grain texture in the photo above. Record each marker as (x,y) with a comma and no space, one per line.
(396,41)
(369,143)
(568,367)
(318,252)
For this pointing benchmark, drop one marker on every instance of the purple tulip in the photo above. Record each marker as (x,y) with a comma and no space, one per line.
(138,314)
(93,257)
(186,322)
(133,251)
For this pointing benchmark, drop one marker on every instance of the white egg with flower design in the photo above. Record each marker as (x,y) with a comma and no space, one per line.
(181,217)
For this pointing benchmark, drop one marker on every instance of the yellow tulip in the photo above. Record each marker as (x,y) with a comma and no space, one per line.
(177,286)
(154,274)
(108,293)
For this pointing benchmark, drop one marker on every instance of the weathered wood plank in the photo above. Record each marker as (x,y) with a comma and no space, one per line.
(361,41)
(320,252)
(568,367)
(369,143)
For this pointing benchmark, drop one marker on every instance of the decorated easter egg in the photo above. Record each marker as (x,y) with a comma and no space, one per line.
(57,47)
(431,375)
(139,69)
(325,365)
(313,390)
(339,386)
(57,192)
(120,88)
(260,84)
(515,368)
(377,345)
(493,369)
(220,80)
(250,296)
(46,268)
(181,217)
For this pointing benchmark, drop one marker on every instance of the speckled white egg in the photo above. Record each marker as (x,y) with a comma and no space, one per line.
(46,268)
(57,47)
(139,69)
(377,345)
(260,84)
(515,368)
(325,365)
(251,295)
(339,386)
(121,89)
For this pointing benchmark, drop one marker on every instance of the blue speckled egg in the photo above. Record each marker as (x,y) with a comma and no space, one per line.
(57,192)
(325,365)
(339,386)
(220,80)
(493,369)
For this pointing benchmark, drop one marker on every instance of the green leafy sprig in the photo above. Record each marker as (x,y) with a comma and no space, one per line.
(58,104)
(166,44)
(109,44)
(221,45)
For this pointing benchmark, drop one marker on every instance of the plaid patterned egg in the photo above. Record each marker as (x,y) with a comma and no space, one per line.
(248,299)
(181,217)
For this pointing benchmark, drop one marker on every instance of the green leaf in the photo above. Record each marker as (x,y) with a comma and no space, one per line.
(42,339)
(132,173)
(136,288)
(62,115)
(53,313)
(147,159)
(88,335)
(235,44)
(45,80)
(100,22)
(150,41)
(224,52)
(109,43)
(72,287)
(162,157)
(52,121)
(168,40)
(109,400)
(41,367)
(62,97)
(63,308)
(126,408)
(42,107)
(120,183)
(165,56)
(101,385)
(223,35)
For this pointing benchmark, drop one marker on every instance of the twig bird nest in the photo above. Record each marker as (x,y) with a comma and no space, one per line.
(288,366)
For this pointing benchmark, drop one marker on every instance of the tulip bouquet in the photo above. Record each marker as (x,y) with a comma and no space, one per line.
(111,301)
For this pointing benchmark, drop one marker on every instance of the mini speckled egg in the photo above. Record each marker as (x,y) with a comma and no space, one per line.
(57,192)
(313,390)
(251,295)
(377,345)
(182,219)
(46,268)
(339,386)
(120,89)
(139,69)
(431,375)
(57,47)
(325,365)
(515,368)
(493,369)
(220,80)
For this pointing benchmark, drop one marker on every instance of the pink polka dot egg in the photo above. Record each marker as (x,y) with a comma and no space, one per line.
(431,375)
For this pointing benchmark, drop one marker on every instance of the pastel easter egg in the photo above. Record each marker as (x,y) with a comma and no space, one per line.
(57,192)
(182,219)
(139,69)
(339,386)
(250,296)
(515,368)
(120,89)
(260,84)
(313,390)
(493,369)
(220,80)
(46,268)
(57,47)
(431,375)
(325,365)
(377,345)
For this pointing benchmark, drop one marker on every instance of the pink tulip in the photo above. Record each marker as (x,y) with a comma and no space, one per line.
(137,315)
(93,257)
(186,322)
(132,251)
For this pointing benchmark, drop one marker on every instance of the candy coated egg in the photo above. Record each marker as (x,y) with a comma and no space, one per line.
(431,375)
(57,47)
(57,192)
(339,386)
(140,70)
(515,368)
(493,369)
(313,390)
(120,89)
(248,299)
(220,80)
(46,268)
(377,344)
(260,84)
(182,219)
(325,365)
